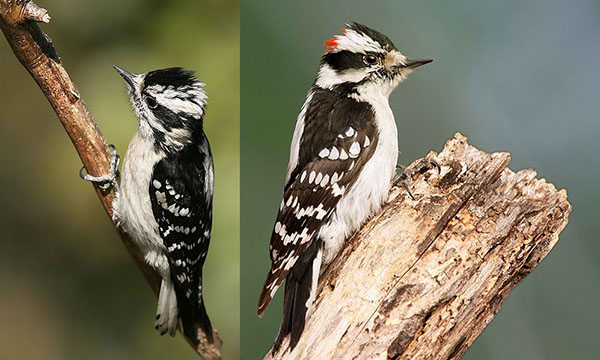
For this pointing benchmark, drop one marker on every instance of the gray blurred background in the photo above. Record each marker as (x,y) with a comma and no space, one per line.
(517,76)
(69,288)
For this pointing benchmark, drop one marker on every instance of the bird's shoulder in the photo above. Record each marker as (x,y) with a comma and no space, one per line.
(333,121)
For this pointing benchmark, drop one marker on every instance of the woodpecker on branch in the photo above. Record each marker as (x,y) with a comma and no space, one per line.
(164,198)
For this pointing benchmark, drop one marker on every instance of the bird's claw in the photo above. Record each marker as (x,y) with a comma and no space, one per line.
(427,164)
(404,177)
(108,180)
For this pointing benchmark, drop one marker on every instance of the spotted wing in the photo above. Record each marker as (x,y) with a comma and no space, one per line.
(316,186)
(181,195)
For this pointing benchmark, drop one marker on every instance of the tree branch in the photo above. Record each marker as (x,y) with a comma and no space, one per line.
(35,51)
(423,278)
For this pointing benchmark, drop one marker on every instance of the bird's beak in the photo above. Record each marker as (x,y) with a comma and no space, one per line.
(130,79)
(415,63)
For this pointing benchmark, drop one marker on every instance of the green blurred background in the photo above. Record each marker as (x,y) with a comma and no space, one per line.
(517,76)
(69,288)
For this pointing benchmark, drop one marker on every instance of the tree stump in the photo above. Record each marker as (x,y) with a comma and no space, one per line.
(423,278)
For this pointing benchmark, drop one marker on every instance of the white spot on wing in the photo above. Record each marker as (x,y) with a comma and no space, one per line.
(334,154)
(174,209)
(337,190)
(161,198)
(321,212)
(354,149)
(334,178)
(343,155)
(324,153)
(318,179)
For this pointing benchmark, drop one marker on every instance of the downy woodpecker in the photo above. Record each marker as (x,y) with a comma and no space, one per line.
(342,160)
(164,198)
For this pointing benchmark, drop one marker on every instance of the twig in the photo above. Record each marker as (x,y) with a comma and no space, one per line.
(423,278)
(35,51)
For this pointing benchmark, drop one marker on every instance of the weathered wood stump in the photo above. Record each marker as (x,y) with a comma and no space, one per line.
(422,279)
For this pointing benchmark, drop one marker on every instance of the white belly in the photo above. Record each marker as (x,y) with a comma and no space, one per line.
(132,207)
(371,189)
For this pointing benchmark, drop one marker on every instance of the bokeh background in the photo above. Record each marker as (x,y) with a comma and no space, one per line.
(69,288)
(517,76)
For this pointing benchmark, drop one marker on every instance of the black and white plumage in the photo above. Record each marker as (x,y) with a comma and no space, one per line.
(342,160)
(166,190)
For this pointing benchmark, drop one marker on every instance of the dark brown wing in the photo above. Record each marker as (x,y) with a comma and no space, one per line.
(313,191)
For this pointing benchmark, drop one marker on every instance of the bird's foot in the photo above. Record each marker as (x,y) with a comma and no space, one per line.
(405,174)
(110,179)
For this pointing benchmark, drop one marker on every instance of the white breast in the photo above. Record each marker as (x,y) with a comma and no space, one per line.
(371,189)
(132,207)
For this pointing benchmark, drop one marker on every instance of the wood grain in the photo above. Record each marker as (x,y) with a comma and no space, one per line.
(423,278)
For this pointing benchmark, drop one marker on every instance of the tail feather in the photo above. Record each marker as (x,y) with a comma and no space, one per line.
(300,291)
(272,283)
(193,316)
(199,320)
(166,311)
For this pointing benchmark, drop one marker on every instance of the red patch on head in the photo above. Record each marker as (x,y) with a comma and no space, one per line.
(331,43)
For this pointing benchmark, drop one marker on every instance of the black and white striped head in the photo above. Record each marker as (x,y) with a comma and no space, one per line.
(364,58)
(170,104)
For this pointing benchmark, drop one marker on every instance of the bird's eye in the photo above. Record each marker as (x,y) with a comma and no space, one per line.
(370,60)
(152,104)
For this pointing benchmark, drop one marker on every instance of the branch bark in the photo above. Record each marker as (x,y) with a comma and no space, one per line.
(423,278)
(35,51)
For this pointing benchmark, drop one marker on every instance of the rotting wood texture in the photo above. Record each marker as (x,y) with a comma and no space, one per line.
(422,279)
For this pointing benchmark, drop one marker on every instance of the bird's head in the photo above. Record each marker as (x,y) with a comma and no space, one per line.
(170,104)
(364,58)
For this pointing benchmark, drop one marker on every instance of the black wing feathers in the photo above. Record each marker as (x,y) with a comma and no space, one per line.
(339,138)
(327,117)
(181,195)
